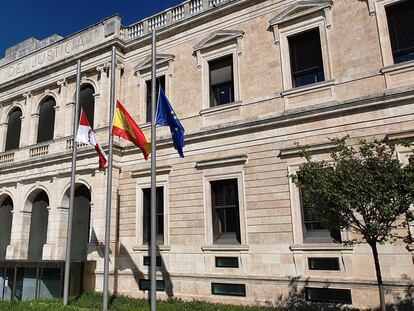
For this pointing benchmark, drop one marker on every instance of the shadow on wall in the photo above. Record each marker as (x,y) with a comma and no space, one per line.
(126,262)
(403,302)
(296,300)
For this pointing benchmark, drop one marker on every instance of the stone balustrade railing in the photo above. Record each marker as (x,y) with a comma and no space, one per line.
(169,17)
(39,151)
(7,157)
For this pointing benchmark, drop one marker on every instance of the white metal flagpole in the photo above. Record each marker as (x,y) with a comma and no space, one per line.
(72,188)
(109,185)
(153,294)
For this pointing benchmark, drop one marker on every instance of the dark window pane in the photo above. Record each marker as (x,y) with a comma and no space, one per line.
(323,264)
(227,262)
(81,222)
(401,27)
(328,295)
(6,217)
(38,226)
(147,261)
(160,81)
(226,219)
(306,58)
(159,215)
(146,285)
(13,130)
(50,283)
(221,81)
(228,289)
(46,120)
(87,101)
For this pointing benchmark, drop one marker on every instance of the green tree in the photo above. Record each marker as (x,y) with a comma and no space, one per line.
(364,189)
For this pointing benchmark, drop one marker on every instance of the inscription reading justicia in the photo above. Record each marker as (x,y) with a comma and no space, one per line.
(48,56)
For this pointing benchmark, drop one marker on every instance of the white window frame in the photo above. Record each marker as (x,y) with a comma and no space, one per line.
(205,58)
(297,28)
(164,70)
(216,174)
(145,183)
(383,30)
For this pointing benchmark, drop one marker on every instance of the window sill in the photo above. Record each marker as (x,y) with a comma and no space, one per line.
(225,248)
(218,109)
(330,247)
(146,248)
(396,67)
(308,87)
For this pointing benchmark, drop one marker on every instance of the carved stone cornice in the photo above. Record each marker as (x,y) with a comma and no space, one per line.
(62,83)
(104,67)
(27,95)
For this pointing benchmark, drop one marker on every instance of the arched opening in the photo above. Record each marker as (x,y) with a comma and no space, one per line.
(81,223)
(46,127)
(80,235)
(14,126)
(6,216)
(87,101)
(38,226)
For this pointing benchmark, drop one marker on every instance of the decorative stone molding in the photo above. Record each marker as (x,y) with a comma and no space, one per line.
(62,83)
(221,162)
(146,63)
(301,9)
(104,67)
(27,95)
(296,151)
(162,170)
(216,38)
(371,7)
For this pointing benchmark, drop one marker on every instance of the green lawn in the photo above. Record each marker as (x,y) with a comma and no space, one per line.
(94,302)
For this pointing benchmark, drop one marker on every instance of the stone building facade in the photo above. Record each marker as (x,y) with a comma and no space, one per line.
(248,79)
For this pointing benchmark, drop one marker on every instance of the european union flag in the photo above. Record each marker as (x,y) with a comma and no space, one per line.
(167,117)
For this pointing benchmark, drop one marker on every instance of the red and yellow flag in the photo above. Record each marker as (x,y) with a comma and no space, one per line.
(124,126)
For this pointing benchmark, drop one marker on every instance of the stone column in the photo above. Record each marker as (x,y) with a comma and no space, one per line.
(3,135)
(60,109)
(34,124)
(102,96)
(26,132)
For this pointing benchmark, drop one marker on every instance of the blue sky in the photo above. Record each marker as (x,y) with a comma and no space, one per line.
(22,19)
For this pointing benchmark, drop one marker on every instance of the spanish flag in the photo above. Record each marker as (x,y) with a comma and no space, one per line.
(124,126)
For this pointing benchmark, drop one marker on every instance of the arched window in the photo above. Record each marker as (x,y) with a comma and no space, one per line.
(13,129)
(46,120)
(38,226)
(87,101)
(81,223)
(6,208)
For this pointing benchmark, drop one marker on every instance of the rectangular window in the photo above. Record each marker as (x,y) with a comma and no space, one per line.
(401,27)
(306,58)
(227,262)
(221,81)
(315,231)
(323,264)
(226,289)
(147,261)
(146,285)
(332,295)
(226,218)
(160,81)
(159,215)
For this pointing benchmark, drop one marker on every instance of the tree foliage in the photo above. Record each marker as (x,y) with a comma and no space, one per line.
(365,188)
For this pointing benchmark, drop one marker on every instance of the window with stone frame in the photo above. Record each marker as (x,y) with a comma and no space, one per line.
(46,127)
(306,58)
(160,82)
(314,230)
(400,18)
(221,81)
(159,216)
(225,211)
(14,125)
(87,100)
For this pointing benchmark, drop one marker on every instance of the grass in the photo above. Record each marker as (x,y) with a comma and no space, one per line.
(93,301)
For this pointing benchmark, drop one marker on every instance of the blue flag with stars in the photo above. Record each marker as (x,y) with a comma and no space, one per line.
(166,117)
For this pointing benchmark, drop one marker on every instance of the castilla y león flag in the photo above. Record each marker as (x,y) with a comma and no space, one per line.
(87,136)
(124,126)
